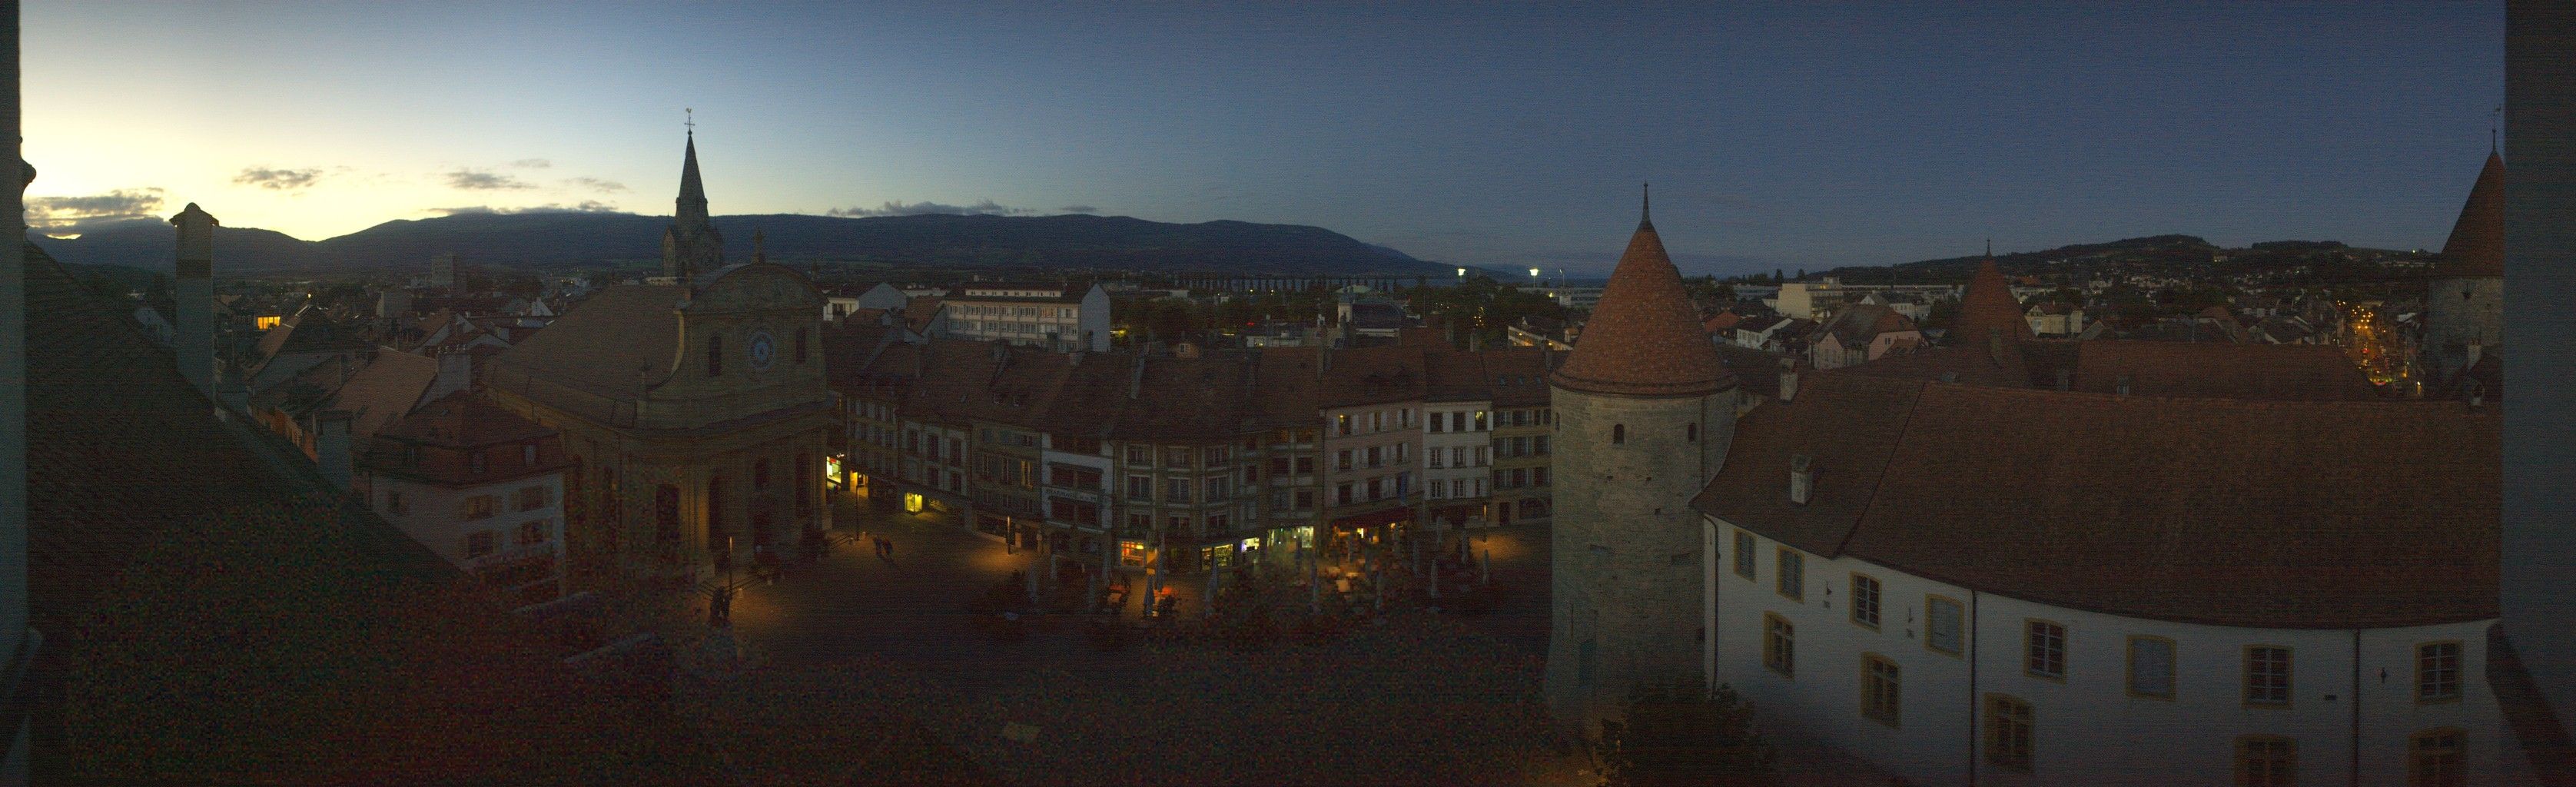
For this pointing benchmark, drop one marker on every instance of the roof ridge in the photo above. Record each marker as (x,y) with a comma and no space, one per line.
(1913,404)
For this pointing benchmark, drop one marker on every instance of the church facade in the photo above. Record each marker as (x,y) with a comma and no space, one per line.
(695,408)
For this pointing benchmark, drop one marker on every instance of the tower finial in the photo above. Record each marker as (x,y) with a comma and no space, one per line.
(759,245)
(1645,205)
(1990,248)
(692,120)
(2494,116)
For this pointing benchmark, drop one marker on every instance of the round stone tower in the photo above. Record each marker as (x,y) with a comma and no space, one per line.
(2464,304)
(1644,414)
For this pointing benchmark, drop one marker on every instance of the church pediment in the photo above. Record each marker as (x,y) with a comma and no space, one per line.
(755,287)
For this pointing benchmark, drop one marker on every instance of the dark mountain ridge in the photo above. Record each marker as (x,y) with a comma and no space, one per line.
(948,240)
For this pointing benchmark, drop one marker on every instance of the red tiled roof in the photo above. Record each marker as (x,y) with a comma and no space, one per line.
(1988,305)
(2212,511)
(2476,247)
(213,624)
(1644,338)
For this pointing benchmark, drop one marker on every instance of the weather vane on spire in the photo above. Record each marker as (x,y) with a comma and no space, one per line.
(692,121)
(2494,116)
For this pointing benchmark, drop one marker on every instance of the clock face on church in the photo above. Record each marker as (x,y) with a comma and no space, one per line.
(763,351)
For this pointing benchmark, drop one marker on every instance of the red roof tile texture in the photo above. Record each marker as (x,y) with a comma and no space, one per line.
(2476,247)
(2222,512)
(1988,309)
(1644,338)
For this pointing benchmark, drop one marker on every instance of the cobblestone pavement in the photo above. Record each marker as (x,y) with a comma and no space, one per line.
(1415,697)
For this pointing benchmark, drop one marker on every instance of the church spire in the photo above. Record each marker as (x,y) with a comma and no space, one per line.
(691,245)
(692,207)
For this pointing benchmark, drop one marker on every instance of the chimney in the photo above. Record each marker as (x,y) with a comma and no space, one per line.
(1788,381)
(2124,385)
(1802,478)
(331,447)
(1995,343)
(194,292)
(455,373)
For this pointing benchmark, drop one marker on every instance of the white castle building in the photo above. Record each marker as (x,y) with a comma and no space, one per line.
(1963,575)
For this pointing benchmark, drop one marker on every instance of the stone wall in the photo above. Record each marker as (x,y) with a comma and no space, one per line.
(1627,574)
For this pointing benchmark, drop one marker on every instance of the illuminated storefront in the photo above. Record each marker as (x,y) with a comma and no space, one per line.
(1131,554)
(912,502)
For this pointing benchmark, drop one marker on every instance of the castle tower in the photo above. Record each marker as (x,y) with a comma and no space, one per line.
(1990,317)
(1644,414)
(691,246)
(193,295)
(2464,305)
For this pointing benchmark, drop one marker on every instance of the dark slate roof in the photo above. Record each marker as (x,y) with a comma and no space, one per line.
(2215,511)
(213,624)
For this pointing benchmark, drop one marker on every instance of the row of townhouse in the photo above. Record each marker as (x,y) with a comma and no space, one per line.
(1190,461)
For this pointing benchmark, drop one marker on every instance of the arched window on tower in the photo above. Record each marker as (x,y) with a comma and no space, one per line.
(715,355)
(1618,434)
(1690,433)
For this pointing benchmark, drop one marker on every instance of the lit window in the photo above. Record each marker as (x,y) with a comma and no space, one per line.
(1880,690)
(2437,672)
(1791,581)
(1743,554)
(2266,761)
(2151,667)
(2008,733)
(2267,675)
(1864,600)
(2044,646)
(1779,645)
(2436,758)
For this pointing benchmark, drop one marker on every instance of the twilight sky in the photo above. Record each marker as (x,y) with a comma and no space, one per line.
(1802,135)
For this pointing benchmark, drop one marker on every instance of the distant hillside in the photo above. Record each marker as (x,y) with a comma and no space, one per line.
(2186,256)
(980,241)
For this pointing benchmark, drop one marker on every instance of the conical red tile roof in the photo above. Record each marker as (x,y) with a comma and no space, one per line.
(1989,304)
(2476,247)
(1644,338)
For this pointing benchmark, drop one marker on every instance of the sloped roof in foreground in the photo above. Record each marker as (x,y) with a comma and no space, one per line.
(2217,511)
(212,625)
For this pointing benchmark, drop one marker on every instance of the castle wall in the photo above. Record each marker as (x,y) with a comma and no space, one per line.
(1628,573)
